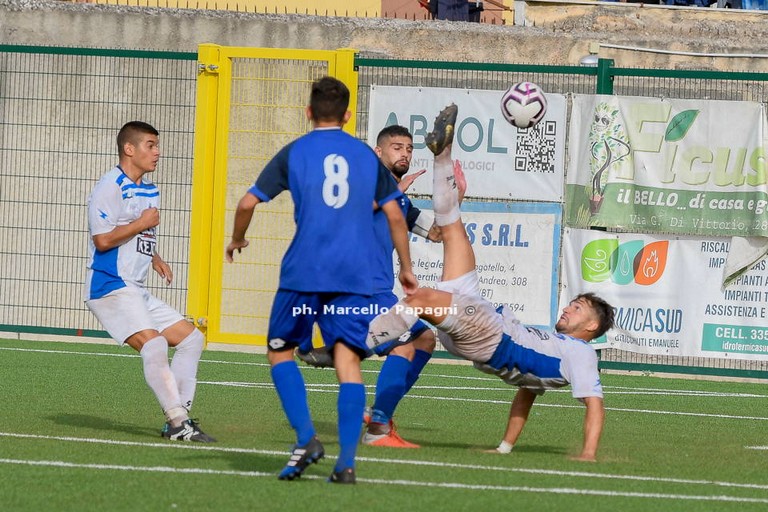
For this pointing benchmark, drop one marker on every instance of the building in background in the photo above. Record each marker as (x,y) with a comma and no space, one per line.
(496,12)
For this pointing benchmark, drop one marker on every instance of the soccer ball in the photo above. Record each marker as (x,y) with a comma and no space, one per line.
(524,104)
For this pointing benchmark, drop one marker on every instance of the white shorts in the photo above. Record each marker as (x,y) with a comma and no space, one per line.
(473,331)
(132,309)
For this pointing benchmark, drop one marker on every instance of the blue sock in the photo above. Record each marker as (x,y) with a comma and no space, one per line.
(390,387)
(289,384)
(350,405)
(420,359)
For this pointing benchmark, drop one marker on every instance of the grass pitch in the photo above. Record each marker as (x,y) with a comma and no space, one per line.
(80,431)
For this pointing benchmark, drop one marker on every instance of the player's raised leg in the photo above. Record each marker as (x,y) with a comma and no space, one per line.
(459,258)
(448,187)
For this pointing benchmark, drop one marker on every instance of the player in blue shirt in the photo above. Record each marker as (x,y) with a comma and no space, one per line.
(327,273)
(470,327)
(404,363)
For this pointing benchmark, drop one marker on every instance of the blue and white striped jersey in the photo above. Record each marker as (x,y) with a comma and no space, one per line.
(540,360)
(117,201)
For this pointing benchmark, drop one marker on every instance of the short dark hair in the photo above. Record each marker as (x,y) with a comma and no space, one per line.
(603,310)
(394,130)
(329,99)
(130,132)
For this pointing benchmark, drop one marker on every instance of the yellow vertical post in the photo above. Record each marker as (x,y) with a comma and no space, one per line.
(233,302)
(218,190)
(202,183)
(344,70)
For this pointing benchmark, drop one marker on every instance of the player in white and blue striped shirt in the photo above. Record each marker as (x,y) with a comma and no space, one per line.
(123,216)
(470,327)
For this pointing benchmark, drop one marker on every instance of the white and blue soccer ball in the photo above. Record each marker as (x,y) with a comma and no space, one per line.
(524,104)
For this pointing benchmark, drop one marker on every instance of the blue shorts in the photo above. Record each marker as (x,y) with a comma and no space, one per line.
(336,314)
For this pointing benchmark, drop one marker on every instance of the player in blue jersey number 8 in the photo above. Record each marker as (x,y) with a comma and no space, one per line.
(328,270)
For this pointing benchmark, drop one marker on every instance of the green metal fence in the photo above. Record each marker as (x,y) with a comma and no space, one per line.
(601,79)
(60,109)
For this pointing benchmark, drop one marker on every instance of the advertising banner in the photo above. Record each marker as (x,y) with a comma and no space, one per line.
(499,160)
(667,295)
(695,167)
(516,249)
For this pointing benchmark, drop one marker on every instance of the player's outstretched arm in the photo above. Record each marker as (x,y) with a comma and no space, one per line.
(408,179)
(518,416)
(399,232)
(594,419)
(243,217)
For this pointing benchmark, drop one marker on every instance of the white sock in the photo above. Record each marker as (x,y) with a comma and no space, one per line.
(184,366)
(160,379)
(391,325)
(445,194)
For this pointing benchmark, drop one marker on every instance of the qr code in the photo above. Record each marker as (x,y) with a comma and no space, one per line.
(536,148)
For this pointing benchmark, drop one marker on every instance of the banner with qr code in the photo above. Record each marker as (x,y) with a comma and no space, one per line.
(668,166)
(666,293)
(499,160)
(517,249)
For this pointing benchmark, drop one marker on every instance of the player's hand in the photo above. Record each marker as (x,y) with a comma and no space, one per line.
(408,180)
(150,218)
(434,234)
(163,270)
(408,281)
(460,179)
(235,246)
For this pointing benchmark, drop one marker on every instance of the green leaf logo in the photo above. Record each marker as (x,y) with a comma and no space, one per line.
(596,262)
(680,124)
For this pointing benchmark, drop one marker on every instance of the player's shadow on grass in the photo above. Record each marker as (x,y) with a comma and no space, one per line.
(256,462)
(541,448)
(285,440)
(106,424)
(326,430)
(557,450)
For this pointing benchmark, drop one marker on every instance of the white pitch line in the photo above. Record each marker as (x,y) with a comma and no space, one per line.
(70,352)
(331,388)
(505,389)
(444,485)
(630,390)
(701,394)
(309,388)
(438,464)
(120,467)
(214,361)
(566,490)
(683,391)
